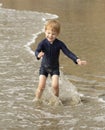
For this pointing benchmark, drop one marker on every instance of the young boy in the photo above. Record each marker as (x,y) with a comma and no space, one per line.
(49,50)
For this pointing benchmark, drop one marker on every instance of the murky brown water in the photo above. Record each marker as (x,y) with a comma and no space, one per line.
(83,30)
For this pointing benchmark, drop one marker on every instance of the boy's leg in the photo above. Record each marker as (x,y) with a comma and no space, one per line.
(41,86)
(55,84)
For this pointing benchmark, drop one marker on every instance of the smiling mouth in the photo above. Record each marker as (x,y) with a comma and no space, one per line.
(50,39)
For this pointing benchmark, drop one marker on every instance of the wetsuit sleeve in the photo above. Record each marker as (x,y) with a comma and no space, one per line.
(38,49)
(68,53)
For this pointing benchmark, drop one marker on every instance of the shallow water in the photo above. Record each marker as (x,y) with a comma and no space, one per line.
(19,75)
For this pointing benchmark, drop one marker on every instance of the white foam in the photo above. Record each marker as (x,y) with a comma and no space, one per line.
(1,4)
(31,42)
(101,100)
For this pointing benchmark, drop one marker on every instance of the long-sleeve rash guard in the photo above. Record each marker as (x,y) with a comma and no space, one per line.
(52,52)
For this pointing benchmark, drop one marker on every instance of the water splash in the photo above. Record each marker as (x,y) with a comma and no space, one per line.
(69,94)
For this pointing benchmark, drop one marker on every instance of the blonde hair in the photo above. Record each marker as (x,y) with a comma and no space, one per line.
(54,25)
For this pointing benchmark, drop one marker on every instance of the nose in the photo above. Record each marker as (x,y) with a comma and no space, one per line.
(50,35)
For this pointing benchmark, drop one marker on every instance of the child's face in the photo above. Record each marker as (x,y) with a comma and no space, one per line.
(51,35)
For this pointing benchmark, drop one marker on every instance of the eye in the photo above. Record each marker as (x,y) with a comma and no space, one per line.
(48,32)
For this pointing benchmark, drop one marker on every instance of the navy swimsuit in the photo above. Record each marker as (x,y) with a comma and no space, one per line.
(50,60)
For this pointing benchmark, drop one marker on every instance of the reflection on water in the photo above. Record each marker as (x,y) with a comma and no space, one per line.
(19,70)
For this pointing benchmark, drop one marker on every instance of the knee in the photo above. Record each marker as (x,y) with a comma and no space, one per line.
(56,87)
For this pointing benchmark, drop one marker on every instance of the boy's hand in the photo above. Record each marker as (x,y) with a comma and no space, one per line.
(81,62)
(41,54)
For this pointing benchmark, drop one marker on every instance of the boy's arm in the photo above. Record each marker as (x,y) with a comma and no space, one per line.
(68,53)
(72,55)
(38,51)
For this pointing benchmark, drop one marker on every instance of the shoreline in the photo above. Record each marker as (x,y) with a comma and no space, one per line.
(36,40)
(30,46)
